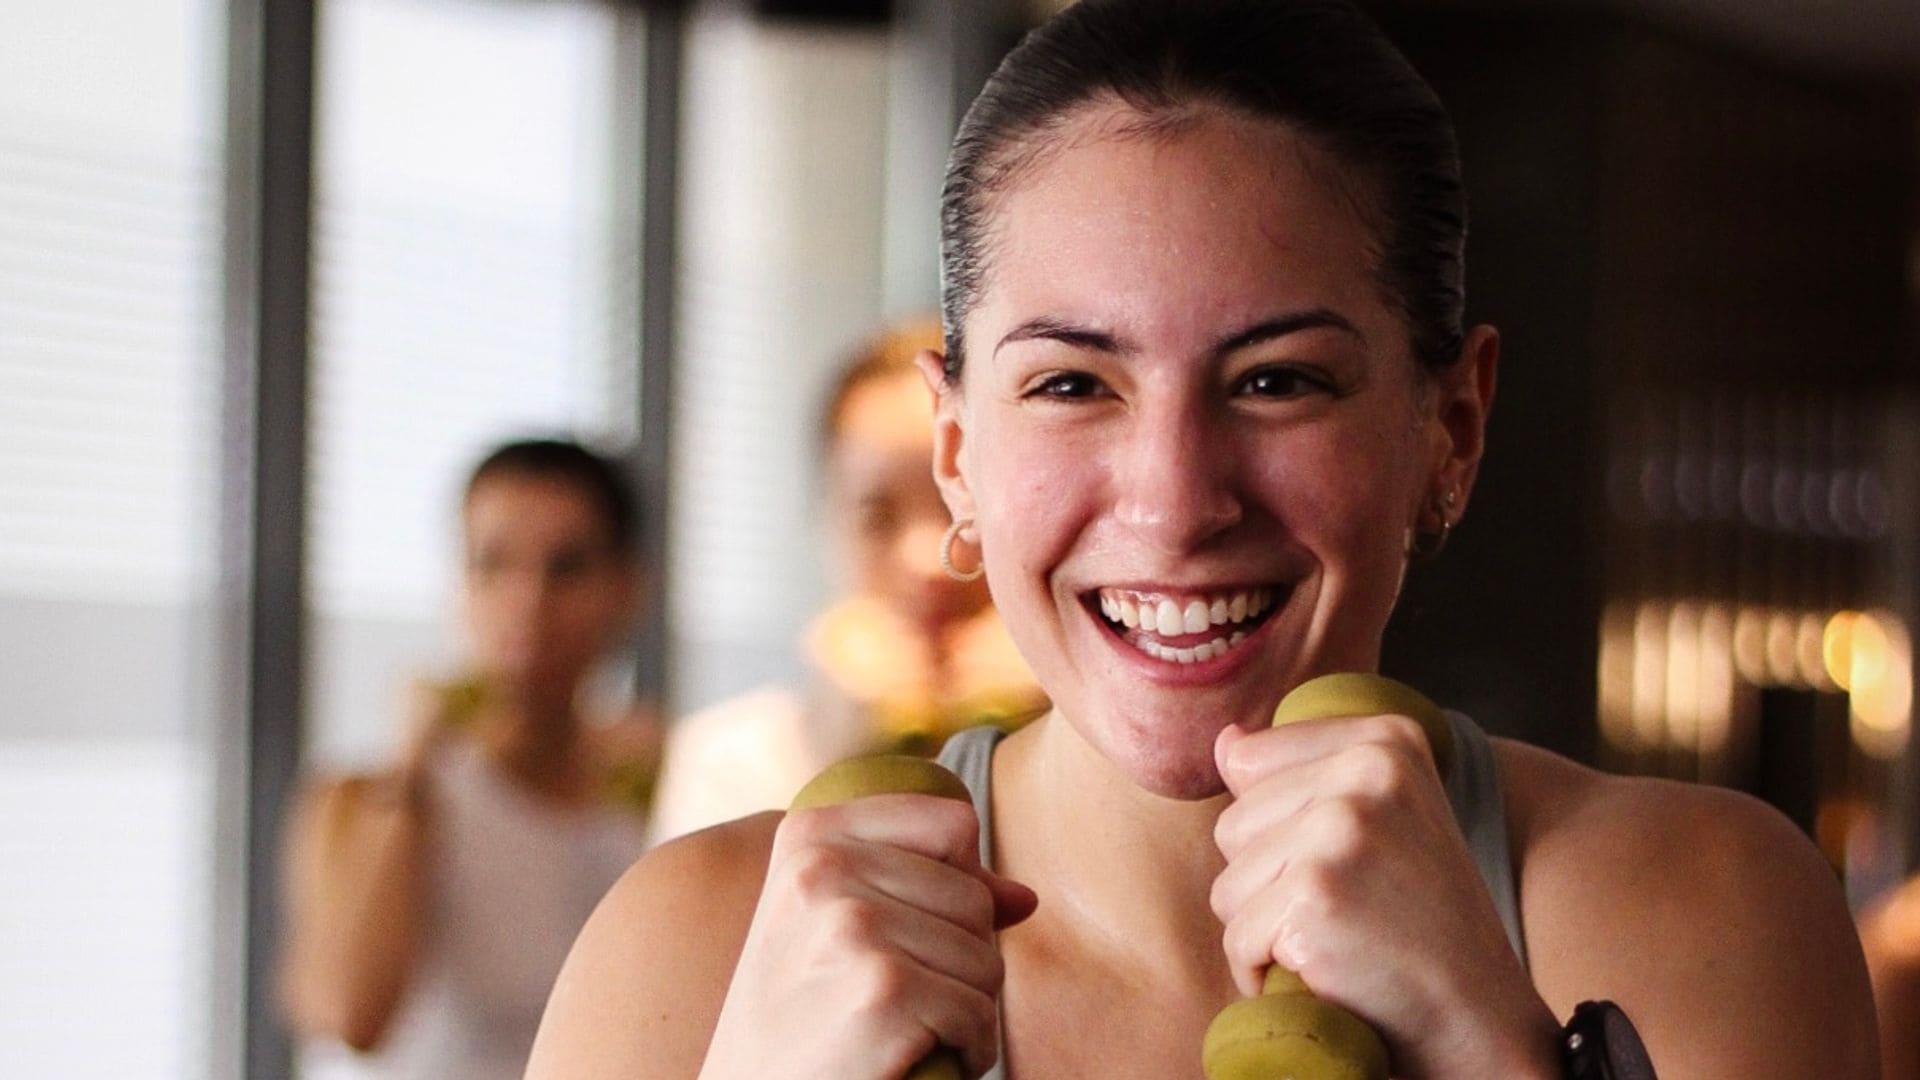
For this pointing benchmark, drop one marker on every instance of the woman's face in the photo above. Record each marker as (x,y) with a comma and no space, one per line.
(887,515)
(545,590)
(1187,405)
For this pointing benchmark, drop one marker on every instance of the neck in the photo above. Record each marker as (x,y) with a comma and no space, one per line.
(1126,872)
(534,738)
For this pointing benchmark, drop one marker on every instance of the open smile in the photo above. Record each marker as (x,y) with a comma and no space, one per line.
(1184,628)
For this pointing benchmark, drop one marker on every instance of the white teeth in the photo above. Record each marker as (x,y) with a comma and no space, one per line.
(1167,619)
(1198,654)
(1194,616)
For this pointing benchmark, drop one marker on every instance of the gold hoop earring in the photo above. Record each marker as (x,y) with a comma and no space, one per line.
(946,553)
(1425,545)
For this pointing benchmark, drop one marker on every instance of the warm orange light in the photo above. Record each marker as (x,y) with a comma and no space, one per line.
(1836,648)
(1879,681)
(1616,676)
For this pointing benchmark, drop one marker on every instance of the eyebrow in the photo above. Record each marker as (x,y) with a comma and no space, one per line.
(1049,328)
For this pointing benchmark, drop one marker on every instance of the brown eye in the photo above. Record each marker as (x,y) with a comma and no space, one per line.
(1066,386)
(567,565)
(1282,382)
(879,521)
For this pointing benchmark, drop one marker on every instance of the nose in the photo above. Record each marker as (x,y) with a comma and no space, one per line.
(1175,479)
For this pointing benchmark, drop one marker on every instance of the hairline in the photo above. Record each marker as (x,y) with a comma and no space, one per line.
(1169,114)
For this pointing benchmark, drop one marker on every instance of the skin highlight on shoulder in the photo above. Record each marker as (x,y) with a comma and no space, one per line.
(1670,899)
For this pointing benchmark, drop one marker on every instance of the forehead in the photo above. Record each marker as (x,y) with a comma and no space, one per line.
(530,505)
(892,410)
(1215,217)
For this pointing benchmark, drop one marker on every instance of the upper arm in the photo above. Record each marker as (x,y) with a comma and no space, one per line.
(1711,920)
(643,986)
(1891,934)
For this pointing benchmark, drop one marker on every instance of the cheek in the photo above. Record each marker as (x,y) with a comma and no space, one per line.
(1350,488)
(1029,491)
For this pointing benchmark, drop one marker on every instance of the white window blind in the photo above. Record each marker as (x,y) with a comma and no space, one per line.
(781,243)
(109,381)
(468,287)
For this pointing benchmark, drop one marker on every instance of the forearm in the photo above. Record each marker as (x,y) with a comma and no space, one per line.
(355,892)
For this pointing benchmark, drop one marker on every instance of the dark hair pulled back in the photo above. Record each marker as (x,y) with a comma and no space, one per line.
(1320,66)
(597,477)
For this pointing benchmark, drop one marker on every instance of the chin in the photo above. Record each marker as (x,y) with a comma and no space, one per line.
(1173,763)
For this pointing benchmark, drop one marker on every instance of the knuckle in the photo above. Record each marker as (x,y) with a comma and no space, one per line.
(885,985)
(977,908)
(1220,899)
(799,828)
(1227,831)
(1319,888)
(1380,769)
(1342,830)
(995,971)
(816,870)
(852,920)
(1248,945)
(957,824)
(1403,733)
(979,1031)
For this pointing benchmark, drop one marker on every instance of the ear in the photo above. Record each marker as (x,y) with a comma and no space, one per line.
(1463,399)
(949,435)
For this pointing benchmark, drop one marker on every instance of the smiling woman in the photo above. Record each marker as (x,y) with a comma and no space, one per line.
(1206,390)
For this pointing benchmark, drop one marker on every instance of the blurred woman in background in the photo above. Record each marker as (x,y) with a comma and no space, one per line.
(429,905)
(909,654)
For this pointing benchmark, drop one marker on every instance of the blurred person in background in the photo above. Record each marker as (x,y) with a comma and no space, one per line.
(1890,933)
(909,654)
(430,904)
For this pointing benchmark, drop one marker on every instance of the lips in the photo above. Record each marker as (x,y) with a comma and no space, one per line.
(1186,627)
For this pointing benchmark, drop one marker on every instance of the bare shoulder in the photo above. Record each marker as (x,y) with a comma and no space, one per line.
(1890,928)
(1704,912)
(643,986)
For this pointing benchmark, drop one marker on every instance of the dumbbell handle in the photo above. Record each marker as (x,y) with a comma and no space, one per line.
(1288,1033)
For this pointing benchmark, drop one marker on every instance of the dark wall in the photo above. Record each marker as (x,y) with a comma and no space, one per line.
(1659,221)
(1504,624)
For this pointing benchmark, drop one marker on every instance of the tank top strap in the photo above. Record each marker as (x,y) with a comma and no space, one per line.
(969,754)
(1473,790)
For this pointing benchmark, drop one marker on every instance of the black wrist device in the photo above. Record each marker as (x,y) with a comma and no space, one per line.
(1599,1043)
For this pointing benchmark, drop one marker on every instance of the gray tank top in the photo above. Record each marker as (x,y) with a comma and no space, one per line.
(1473,790)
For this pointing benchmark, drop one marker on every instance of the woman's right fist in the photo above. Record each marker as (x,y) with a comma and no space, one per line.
(872,943)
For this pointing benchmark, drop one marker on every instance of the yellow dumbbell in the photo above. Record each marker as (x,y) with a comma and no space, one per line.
(1287,1033)
(890,774)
